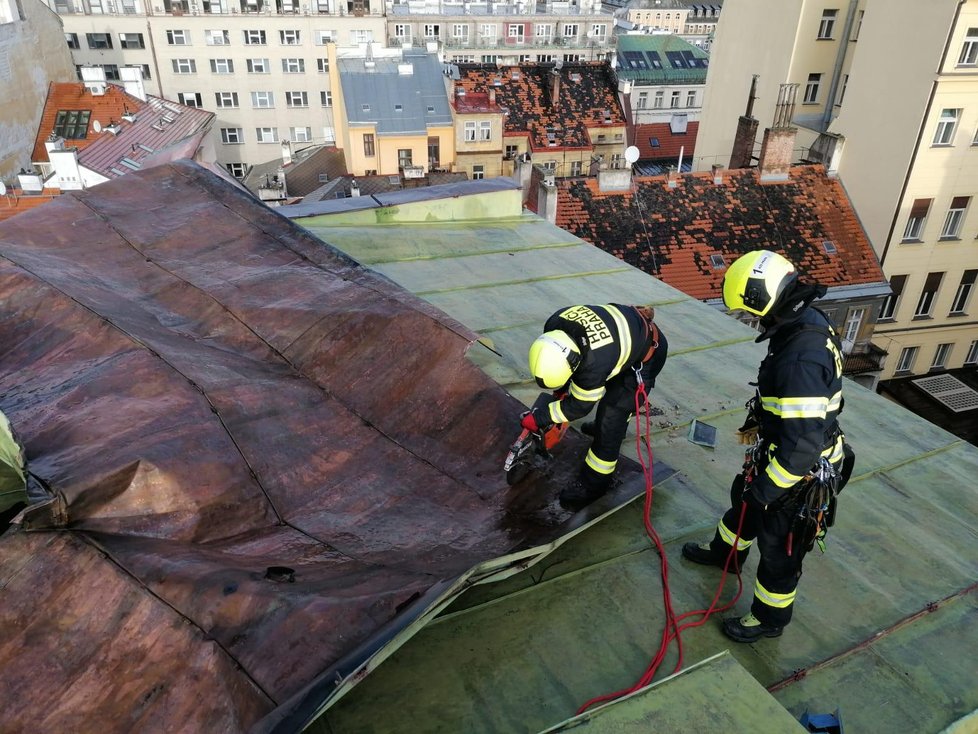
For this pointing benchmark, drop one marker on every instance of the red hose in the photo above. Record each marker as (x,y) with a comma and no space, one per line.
(673,628)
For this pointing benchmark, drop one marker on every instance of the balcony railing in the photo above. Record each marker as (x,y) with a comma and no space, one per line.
(861,362)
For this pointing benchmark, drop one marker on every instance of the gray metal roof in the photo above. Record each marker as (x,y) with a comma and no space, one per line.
(378,92)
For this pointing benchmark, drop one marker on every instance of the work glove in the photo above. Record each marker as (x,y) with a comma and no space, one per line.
(746,436)
(529,422)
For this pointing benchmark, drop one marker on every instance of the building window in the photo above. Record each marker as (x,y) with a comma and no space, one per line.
(300,134)
(361,36)
(72,40)
(237,170)
(322,66)
(945,126)
(599,31)
(143,68)
(191,99)
(130,40)
(263,100)
(469,132)
(294,66)
(955,218)
(543,32)
(217,38)
(326,98)
(254,38)
(827,25)
(267,134)
(485,131)
(222,66)
(460,32)
(434,151)
(850,333)
(516,32)
(969,51)
(111,71)
(888,311)
(941,354)
(811,88)
(925,306)
(511,152)
(643,101)
(258,66)
(99,40)
(402,32)
(225,100)
(658,99)
(972,357)
(690,99)
(297,99)
(963,295)
(431,30)
(858,25)
(570,30)
(368,145)
(842,90)
(543,59)
(403,157)
(674,100)
(232,135)
(72,124)
(184,66)
(576,167)
(323,37)
(907,358)
(487,31)
(178,38)
(478,172)
(289,38)
(915,223)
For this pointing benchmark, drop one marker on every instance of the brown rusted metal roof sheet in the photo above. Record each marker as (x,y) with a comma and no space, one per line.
(204,392)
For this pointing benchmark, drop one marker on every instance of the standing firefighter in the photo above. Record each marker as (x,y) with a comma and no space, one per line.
(795,468)
(588,355)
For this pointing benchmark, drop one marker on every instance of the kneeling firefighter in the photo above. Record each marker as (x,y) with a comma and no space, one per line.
(594,355)
(798,460)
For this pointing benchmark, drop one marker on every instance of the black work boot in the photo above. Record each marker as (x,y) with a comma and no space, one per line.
(582,492)
(587,428)
(749,629)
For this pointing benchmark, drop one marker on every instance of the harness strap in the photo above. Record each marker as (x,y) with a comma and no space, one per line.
(647,314)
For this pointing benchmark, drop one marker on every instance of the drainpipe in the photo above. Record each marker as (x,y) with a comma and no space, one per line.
(840,58)
(152,51)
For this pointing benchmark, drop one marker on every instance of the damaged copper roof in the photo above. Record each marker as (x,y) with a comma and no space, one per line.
(257,460)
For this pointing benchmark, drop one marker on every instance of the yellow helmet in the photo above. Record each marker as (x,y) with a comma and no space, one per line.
(754,281)
(553,357)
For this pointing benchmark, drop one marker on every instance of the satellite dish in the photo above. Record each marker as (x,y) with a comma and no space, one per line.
(631,154)
(97,126)
(3,188)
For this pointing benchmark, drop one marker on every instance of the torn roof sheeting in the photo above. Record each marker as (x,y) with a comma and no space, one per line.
(208,392)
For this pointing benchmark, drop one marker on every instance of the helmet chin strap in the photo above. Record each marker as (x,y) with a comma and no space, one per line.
(789,306)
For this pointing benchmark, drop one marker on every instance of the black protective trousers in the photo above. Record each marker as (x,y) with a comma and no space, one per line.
(615,410)
(777,572)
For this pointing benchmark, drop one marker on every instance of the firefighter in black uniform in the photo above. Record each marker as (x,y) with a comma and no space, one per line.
(588,355)
(793,419)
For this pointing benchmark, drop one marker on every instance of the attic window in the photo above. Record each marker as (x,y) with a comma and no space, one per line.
(717,262)
(829,246)
(431,108)
(398,108)
(365,107)
(72,124)
(497,82)
(575,76)
(654,142)
(323,178)
(516,76)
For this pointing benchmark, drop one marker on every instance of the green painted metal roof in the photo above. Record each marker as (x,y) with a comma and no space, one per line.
(884,624)
(661,44)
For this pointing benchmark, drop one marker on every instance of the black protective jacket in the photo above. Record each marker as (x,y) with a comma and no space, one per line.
(611,338)
(799,398)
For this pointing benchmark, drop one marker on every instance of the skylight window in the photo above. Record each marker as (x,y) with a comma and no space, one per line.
(829,246)
(654,142)
(72,124)
(717,262)
(365,107)
(398,108)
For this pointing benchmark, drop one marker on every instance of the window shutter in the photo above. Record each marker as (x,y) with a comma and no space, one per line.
(933,282)
(896,284)
(960,202)
(920,208)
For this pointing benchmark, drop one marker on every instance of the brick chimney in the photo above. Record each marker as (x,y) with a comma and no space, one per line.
(776,153)
(492,97)
(743,147)
(672,178)
(554,86)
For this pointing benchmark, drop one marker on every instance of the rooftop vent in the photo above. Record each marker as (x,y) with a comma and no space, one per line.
(950,391)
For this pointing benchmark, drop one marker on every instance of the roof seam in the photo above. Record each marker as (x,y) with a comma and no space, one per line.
(523,281)
(477,253)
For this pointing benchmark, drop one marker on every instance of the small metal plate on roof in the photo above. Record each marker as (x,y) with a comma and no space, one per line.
(702,434)
(950,391)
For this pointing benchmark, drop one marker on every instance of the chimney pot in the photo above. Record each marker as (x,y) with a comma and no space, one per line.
(717,174)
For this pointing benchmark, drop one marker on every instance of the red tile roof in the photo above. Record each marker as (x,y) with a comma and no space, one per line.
(587,91)
(474,102)
(668,143)
(671,233)
(15,202)
(139,139)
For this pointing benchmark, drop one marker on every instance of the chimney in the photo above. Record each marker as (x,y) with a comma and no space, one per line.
(492,97)
(779,140)
(132,80)
(286,152)
(672,178)
(717,170)
(354,188)
(743,147)
(554,87)
(776,153)
(54,142)
(615,179)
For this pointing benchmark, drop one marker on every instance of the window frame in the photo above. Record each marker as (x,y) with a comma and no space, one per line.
(190,99)
(94,41)
(827,24)
(969,49)
(184,66)
(812,88)
(972,356)
(928,296)
(290,37)
(227,64)
(962,296)
(954,219)
(946,127)
(293,65)
(292,96)
(210,38)
(369,145)
(232,136)
(263,99)
(260,135)
(325,98)
(916,220)
(178,37)
(220,100)
(137,44)
(254,38)
(908,355)
(941,355)
(252,66)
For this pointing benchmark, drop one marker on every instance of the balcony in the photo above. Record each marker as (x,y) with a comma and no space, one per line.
(863,359)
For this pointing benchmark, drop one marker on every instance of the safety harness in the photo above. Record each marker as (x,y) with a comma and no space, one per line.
(647,314)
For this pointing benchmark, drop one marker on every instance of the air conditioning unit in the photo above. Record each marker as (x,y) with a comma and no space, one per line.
(97,89)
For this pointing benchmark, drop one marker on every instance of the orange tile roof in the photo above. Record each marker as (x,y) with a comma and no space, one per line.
(672,232)
(15,201)
(669,144)
(587,91)
(474,102)
(106,108)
